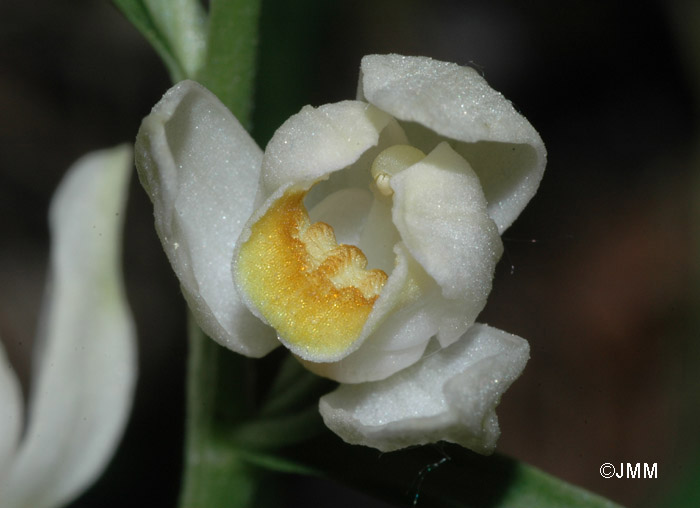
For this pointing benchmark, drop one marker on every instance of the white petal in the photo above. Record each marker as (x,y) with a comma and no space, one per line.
(200,168)
(410,311)
(85,366)
(443,268)
(450,395)
(397,331)
(311,146)
(357,174)
(456,102)
(379,236)
(440,212)
(10,413)
(346,211)
(316,142)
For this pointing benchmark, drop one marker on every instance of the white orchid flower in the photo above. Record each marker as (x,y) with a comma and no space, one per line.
(85,363)
(379,283)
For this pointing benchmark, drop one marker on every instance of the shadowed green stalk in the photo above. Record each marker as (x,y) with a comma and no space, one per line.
(214,474)
(219,388)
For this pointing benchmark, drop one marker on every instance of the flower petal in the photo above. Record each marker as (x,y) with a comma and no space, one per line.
(408,313)
(316,142)
(444,100)
(291,273)
(85,365)
(442,268)
(10,415)
(379,236)
(440,212)
(346,211)
(450,395)
(200,168)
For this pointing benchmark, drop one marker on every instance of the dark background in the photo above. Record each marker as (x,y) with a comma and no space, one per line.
(599,273)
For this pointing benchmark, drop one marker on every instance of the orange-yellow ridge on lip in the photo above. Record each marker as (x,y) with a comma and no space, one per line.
(315,293)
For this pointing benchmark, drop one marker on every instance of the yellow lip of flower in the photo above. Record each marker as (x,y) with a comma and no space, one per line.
(315,293)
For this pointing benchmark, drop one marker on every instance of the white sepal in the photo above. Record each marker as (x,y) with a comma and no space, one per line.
(437,101)
(440,213)
(200,168)
(449,395)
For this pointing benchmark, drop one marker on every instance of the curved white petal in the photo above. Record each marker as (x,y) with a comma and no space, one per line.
(441,100)
(379,236)
(10,413)
(85,363)
(346,211)
(357,174)
(397,331)
(200,168)
(314,145)
(440,213)
(450,395)
(316,142)
(410,310)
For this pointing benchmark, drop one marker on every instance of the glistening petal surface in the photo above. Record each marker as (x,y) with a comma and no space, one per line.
(316,142)
(200,168)
(409,312)
(85,364)
(450,395)
(440,212)
(292,273)
(437,100)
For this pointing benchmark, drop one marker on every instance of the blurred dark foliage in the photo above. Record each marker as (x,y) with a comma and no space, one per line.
(598,273)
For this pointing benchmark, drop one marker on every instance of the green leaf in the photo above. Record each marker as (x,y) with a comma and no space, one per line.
(138,14)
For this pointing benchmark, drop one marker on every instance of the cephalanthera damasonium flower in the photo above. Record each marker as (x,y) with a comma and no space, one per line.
(85,360)
(364,239)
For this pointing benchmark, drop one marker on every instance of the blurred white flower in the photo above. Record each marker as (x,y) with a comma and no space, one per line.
(416,180)
(84,364)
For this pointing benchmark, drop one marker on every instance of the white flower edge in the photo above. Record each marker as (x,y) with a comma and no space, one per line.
(85,358)
(318,141)
(437,100)
(200,168)
(450,395)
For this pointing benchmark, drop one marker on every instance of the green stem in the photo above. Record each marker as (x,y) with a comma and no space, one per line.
(219,388)
(216,474)
(230,62)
